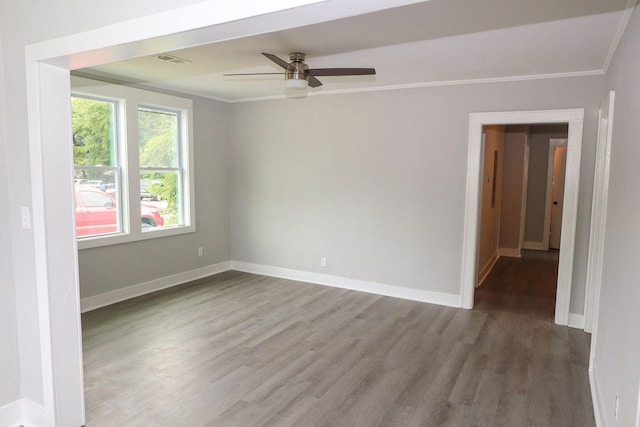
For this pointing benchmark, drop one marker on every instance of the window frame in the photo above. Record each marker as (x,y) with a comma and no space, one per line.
(128,100)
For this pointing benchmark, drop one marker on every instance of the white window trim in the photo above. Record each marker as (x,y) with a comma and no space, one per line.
(128,101)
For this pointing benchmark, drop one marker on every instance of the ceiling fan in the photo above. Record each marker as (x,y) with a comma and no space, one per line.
(298,75)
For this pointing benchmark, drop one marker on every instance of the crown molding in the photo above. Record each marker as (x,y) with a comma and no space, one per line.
(507,79)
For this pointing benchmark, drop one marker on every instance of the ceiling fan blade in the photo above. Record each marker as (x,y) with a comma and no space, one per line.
(313,82)
(284,64)
(251,74)
(341,71)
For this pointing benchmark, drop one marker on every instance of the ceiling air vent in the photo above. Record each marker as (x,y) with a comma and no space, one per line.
(173,59)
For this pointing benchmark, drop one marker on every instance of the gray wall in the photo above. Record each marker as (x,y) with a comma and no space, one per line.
(512,186)
(376,181)
(539,136)
(617,367)
(145,260)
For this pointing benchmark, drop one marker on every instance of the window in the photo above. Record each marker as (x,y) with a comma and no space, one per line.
(96,164)
(161,167)
(133,163)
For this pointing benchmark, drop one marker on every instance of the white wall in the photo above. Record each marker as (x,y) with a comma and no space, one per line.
(23,23)
(617,357)
(375,182)
(9,366)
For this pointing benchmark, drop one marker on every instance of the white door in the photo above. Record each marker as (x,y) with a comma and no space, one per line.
(557,195)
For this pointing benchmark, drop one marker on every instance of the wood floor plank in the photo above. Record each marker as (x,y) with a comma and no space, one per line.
(238,349)
(485,405)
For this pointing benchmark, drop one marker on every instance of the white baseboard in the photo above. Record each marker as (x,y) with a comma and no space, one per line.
(112,297)
(538,246)
(97,301)
(22,412)
(11,414)
(431,297)
(596,397)
(576,321)
(510,252)
(484,272)
(32,414)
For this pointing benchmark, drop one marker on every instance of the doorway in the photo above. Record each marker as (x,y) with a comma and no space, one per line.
(574,119)
(522,188)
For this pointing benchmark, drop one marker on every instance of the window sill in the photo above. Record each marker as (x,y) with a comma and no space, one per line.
(116,239)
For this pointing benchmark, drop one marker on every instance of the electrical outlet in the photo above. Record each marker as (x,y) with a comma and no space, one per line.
(200,251)
(617,407)
(323,262)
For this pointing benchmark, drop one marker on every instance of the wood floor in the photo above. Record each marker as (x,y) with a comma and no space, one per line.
(245,350)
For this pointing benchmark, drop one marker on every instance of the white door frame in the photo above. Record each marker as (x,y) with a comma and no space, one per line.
(598,215)
(47,66)
(553,144)
(574,118)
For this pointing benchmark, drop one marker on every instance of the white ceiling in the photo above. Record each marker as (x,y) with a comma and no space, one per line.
(427,43)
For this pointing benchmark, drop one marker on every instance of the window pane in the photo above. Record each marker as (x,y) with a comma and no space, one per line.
(158,138)
(93,127)
(161,199)
(96,199)
(97,179)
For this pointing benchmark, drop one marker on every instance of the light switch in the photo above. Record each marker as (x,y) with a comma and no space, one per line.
(25,217)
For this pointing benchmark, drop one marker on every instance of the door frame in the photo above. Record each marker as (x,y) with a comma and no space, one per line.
(598,215)
(553,144)
(574,118)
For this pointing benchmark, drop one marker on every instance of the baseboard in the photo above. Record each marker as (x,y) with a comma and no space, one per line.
(431,297)
(537,246)
(22,412)
(510,252)
(32,414)
(112,297)
(484,272)
(576,321)
(11,414)
(596,397)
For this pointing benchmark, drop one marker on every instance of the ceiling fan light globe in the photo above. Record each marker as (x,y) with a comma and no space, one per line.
(297,84)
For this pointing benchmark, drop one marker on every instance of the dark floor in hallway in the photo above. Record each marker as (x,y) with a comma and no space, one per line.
(525,285)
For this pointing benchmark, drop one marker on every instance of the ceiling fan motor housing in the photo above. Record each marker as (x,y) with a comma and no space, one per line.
(297,69)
